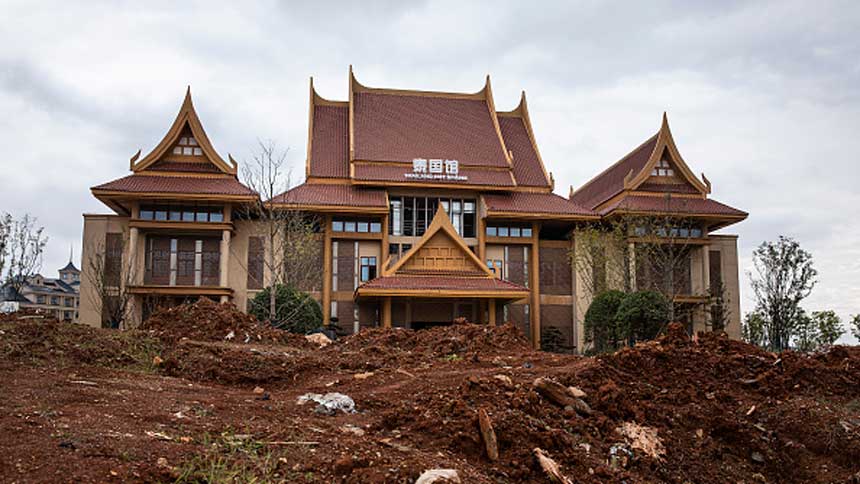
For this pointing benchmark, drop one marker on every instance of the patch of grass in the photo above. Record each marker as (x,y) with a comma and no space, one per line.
(452,357)
(232,458)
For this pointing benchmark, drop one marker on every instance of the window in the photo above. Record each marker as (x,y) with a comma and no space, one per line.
(527,232)
(504,232)
(68,302)
(181,213)
(495,266)
(256,253)
(411,216)
(663,168)
(40,299)
(182,261)
(368,268)
(55,301)
(113,260)
(512,231)
(187,146)
(359,226)
(492,231)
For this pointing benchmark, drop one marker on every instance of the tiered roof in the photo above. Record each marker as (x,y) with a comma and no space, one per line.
(184,164)
(654,179)
(372,139)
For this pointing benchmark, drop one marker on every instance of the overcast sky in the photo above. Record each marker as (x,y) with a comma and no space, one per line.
(763,97)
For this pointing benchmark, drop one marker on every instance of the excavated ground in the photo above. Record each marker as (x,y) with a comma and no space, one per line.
(176,402)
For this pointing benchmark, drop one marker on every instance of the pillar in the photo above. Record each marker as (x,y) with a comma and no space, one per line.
(224,262)
(534,286)
(492,312)
(386,312)
(327,263)
(134,268)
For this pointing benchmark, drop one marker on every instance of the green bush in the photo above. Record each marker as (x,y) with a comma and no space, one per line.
(601,324)
(295,311)
(642,315)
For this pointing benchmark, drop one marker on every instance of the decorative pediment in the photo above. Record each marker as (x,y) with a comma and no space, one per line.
(665,165)
(440,250)
(185,142)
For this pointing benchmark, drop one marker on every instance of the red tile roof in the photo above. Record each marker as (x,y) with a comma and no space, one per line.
(443,283)
(329,157)
(667,188)
(678,205)
(139,183)
(540,203)
(609,183)
(526,163)
(397,173)
(165,165)
(335,195)
(398,127)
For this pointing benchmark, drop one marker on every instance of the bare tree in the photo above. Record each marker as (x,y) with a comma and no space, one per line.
(719,306)
(5,231)
(25,246)
(111,278)
(601,257)
(292,239)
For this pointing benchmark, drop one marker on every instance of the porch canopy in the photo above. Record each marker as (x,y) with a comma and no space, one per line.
(440,266)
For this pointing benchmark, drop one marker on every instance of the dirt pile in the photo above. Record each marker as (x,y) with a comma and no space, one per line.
(206,320)
(29,340)
(379,348)
(723,411)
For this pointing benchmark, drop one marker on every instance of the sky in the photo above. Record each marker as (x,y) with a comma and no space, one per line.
(763,97)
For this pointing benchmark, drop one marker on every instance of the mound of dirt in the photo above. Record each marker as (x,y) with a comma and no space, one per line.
(206,320)
(377,348)
(46,341)
(723,411)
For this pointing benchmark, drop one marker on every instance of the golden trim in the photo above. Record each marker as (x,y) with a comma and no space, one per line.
(179,225)
(181,290)
(441,293)
(187,115)
(666,141)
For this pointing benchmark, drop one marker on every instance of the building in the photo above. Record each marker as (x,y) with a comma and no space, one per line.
(57,297)
(432,206)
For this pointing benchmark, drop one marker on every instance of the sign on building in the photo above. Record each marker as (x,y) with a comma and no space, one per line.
(435,169)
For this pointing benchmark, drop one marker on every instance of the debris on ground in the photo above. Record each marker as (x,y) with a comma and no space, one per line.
(329,403)
(438,476)
(643,438)
(318,339)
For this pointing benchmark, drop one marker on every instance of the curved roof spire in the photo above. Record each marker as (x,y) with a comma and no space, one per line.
(187,116)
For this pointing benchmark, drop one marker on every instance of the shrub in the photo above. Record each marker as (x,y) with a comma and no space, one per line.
(295,311)
(601,325)
(642,315)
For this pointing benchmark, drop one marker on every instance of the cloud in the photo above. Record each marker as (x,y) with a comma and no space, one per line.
(762,96)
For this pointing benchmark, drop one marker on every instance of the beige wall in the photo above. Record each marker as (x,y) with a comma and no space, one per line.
(727,245)
(96,227)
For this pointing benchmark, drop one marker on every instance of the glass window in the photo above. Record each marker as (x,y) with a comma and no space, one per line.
(177,150)
(337,226)
(393,250)
(146,214)
(515,231)
(202,216)
(408,216)
(527,231)
(192,141)
(349,226)
(175,215)
(695,232)
(198,152)
(492,231)
(503,232)
(396,217)
(160,215)
(368,268)
(188,216)
(405,248)
(375,227)
(363,227)
(216,216)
